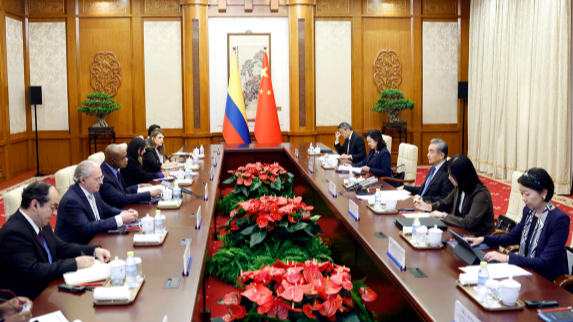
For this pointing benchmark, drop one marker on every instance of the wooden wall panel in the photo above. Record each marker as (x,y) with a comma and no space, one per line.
(114,35)
(17,157)
(385,34)
(117,26)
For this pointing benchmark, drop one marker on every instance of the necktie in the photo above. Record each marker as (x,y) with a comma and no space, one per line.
(121,182)
(430,176)
(43,242)
(92,201)
(348,147)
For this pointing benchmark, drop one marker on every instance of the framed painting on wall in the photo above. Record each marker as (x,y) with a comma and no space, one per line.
(250,48)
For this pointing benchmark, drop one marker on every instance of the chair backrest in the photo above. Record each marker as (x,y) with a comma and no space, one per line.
(97,157)
(64,179)
(123,145)
(388,140)
(12,201)
(408,161)
(516,204)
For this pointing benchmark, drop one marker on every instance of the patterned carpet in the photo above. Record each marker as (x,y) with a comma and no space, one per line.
(499,189)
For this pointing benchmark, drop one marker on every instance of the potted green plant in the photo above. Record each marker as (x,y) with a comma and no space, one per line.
(392,103)
(100,105)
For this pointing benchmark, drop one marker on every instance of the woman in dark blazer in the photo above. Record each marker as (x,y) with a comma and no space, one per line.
(470,199)
(378,161)
(133,173)
(154,156)
(541,233)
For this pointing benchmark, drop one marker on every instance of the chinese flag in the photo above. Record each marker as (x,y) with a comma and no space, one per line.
(267,127)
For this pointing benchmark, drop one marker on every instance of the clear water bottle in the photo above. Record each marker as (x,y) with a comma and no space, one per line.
(201,150)
(187,172)
(351,177)
(311,149)
(483,276)
(158,222)
(176,192)
(130,271)
(415,225)
(378,199)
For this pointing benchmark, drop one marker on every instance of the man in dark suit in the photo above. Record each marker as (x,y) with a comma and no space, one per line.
(31,255)
(83,213)
(353,149)
(437,185)
(113,190)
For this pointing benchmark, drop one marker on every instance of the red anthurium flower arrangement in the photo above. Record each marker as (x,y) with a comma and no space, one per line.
(310,290)
(254,219)
(252,176)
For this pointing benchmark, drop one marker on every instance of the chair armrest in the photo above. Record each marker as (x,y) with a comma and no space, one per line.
(564,280)
(495,231)
(511,249)
(398,180)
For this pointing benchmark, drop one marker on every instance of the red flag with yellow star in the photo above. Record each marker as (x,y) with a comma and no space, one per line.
(267,126)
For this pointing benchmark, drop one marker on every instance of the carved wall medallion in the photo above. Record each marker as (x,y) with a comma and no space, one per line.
(104,6)
(46,6)
(15,6)
(162,5)
(387,6)
(336,6)
(105,73)
(387,70)
(440,7)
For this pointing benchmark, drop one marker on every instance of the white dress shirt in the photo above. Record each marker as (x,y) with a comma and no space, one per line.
(36,228)
(461,202)
(159,155)
(92,201)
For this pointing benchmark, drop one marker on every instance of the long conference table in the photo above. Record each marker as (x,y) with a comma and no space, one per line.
(401,295)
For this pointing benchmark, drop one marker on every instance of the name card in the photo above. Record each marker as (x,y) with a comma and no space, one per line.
(187,259)
(311,166)
(396,253)
(332,189)
(296,153)
(211,172)
(353,210)
(216,161)
(199,218)
(461,314)
(206,192)
(218,152)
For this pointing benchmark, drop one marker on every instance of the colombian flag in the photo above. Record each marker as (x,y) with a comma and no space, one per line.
(235,129)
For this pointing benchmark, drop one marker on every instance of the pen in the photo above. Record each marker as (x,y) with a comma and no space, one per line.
(554,310)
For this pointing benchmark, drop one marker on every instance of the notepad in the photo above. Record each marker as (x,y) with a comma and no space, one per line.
(97,272)
(349,168)
(416,214)
(143,238)
(112,293)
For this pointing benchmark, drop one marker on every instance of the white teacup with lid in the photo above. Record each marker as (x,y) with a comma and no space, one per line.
(435,236)
(510,291)
(117,271)
(180,174)
(147,224)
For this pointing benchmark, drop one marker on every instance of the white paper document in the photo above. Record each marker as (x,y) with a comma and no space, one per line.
(169,203)
(181,164)
(417,214)
(149,189)
(387,195)
(57,316)
(97,272)
(497,270)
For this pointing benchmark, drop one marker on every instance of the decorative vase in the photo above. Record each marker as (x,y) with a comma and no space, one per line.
(100,121)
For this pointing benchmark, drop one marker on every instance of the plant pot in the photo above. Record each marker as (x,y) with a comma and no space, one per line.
(100,122)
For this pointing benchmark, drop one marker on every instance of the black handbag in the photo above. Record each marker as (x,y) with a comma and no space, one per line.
(504,223)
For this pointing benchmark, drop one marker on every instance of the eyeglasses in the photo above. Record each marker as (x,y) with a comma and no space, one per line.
(54,207)
(99,178)
(532,177)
